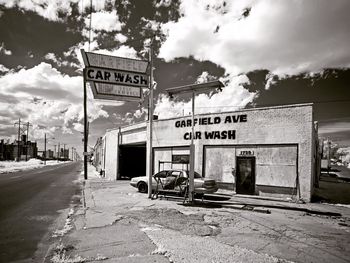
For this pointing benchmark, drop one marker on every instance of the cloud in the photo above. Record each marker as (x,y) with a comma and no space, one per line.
(163,3)
(3,68)
(78,127)
(122,51)
(5,51)
(333,127)
(284,37)
(47,9)
(151,24)
(232,97)
(102,20)
(47,97)
(50,9)
(58,61)
(120,38)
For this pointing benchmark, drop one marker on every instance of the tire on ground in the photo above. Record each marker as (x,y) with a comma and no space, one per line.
(142,187)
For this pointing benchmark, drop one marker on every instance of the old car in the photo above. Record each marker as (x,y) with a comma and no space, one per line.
(175,180)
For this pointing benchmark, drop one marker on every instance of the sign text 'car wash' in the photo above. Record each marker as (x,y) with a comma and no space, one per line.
(115,78)
(211,135)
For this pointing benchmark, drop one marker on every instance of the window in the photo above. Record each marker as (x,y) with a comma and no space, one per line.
(181,158)
(175,173)
(161,174)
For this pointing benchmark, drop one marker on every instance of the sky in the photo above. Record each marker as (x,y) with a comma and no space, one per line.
(266,52)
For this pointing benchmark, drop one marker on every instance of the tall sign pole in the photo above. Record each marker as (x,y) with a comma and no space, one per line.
(112,78)
(85,131)
(150,114)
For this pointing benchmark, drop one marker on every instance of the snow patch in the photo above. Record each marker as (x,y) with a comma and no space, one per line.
(67,226)
(12,166)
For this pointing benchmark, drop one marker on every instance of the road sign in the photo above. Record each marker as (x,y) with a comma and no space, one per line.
(109,91)
(112,62)
(111,76)
(115,78)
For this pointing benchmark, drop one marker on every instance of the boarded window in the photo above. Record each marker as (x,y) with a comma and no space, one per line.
(181,158)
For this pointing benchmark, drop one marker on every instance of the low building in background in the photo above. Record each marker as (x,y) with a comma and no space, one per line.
(271,151)
(98,155)
(49,154)
(18,150)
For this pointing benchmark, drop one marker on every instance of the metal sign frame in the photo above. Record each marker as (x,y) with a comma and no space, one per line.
(109,64)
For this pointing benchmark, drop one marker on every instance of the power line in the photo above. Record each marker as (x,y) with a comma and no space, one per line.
(259,105)
(90,23)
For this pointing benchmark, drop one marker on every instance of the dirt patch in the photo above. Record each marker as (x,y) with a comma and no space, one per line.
(192,224)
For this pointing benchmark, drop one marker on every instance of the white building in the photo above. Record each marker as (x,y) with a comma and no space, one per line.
(263,151)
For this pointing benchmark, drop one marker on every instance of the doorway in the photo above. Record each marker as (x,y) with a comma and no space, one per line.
(245,175)
(132,161)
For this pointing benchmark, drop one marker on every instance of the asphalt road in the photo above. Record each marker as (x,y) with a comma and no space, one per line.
(30,203)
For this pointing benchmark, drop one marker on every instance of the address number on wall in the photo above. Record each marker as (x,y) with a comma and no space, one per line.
(245,153)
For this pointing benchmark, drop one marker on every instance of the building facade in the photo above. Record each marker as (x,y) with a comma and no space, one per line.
(267,151)
(19,150)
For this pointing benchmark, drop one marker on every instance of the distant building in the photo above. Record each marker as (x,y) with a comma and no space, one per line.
(98,157)
(64,154)
(49,154)
(21,150)
(6,151)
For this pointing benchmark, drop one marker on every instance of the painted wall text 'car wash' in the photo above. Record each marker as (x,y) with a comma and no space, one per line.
(210,135)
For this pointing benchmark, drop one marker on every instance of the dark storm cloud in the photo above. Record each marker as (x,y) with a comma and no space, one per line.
(329,91)
(28,33)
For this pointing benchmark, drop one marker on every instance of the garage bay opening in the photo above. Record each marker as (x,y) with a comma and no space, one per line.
(132,161)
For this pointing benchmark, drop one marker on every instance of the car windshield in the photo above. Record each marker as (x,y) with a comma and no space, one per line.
(196,175)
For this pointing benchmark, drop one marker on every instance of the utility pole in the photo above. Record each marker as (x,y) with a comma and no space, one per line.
(64,151)
(71,153)
(329,154)
(55,149)
(58,152)
(150,119)
(45,150)
(27,124)
(18,138)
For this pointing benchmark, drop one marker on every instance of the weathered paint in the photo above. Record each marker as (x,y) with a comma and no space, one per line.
(281,139)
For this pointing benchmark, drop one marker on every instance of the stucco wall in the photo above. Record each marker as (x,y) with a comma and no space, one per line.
(265,126)
(133,134)
(281,138)
(111,158)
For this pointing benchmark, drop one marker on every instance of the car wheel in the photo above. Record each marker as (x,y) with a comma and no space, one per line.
(143,188)
(200,196)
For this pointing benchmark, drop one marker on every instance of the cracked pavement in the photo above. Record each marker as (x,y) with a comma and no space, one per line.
(118,224)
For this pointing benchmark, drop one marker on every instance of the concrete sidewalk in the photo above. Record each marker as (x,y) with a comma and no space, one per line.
(118,224)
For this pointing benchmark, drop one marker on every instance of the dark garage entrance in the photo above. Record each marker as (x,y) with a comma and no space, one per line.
(132,160)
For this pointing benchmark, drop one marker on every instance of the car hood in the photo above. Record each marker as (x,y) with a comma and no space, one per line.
(139,178)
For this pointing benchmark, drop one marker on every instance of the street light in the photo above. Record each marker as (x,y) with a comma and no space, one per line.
(194,88)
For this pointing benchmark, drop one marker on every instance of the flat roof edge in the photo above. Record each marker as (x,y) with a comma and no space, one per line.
(143,124)
(242,110)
